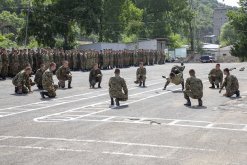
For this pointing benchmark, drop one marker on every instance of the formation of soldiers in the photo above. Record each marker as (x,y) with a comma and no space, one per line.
(21,63)
(13,61)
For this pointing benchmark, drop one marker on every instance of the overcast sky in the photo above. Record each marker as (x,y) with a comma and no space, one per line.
(230,2)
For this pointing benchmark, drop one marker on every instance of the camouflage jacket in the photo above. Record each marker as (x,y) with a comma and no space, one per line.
(47,79)
(217,74)
(231,83)
(38,76)
(94,74)
(179,68)
(116,86)
(62,73)
(21,79)
(141,72)
(177,79)
(195,86)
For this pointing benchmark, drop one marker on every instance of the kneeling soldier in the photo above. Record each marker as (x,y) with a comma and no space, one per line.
(117,89)
(141,75)
(193,89)
(63,74)
(95,76)
(48,83)
(231,84)
(22,81)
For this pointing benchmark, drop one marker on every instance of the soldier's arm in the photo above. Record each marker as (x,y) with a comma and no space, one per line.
(223,85)
(145,72)
(187,84)
(125,89)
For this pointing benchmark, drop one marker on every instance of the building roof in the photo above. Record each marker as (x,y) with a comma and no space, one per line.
(210,46)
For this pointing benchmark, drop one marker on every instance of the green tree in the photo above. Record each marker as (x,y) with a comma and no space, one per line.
(238,19)
(228,35)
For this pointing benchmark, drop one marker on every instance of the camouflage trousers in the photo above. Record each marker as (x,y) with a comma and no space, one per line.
(51,90)
(120,96)
(189,94)
(4,71)
(62,81)
(21,89)
(94,81)
(214,80)
(140,78)
(230,93)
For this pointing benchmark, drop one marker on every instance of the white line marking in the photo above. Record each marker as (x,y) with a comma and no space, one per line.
(112,142)
(72,97)
(53,105)
(173,122)
(88,151)
(109,118)
(93,113)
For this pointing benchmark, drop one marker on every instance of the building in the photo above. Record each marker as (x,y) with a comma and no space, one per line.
(219,19)
(151,44)
(212,39)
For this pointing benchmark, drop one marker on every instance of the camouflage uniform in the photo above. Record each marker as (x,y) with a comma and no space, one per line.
(38,78)
(215,77)
(231,84)
(94,77)
(177,69)
(22,82)
(48,83)
(141,76)
(1,62)
(116,86)
(63,74)
(178,79)
(5,65)
(193,89)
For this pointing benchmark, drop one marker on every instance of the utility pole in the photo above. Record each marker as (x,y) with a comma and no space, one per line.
(192,28)
(27,22)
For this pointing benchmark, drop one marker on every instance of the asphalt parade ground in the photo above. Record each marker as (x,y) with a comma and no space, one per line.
(152,128)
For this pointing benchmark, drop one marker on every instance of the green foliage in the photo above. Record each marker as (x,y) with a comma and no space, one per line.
(176,41)
(6,42)
(238,19)
(228,35)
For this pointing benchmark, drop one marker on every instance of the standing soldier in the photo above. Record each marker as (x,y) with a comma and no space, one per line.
(16,63)
(5,64)
(231,84)
(95,76)
(48,83)
(63,74)
(116,87)
(193,89)
(38,76)
(141,75)
(22,81)
(215,76)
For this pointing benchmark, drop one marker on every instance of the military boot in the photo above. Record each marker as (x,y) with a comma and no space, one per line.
(16,89)
(237,93)
(188,103)
(165,87)
(140,84)
(99,85)
(117,102)
(112,102)
(182,86)
(199,102)
(42,94)
(69,85)
(143,84)
(213,86)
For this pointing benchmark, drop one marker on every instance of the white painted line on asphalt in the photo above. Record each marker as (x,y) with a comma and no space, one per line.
(61,103)
(107,109)
(57,99)
(87,151)
(111,142)
(173,122)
